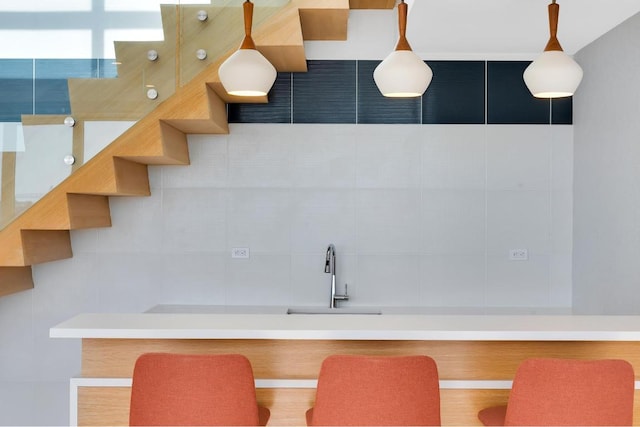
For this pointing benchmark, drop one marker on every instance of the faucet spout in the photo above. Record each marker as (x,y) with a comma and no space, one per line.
(330,261)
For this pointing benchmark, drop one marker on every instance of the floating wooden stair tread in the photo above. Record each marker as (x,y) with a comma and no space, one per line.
(41,234)
(88,211)
(40,246)
(15,279)
(372,4)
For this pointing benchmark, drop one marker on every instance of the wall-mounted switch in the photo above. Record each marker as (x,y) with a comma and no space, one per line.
(240,253)
(518,255)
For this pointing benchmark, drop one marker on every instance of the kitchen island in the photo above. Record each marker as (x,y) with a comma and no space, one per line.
(476,354)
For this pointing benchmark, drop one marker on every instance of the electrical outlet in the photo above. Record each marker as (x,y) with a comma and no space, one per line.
(240,253)
(518,255)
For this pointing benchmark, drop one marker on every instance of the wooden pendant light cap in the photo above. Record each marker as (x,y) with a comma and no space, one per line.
(553,43)
(248,43)
(403,43)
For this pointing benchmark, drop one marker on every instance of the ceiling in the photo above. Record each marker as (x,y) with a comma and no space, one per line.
(490,28)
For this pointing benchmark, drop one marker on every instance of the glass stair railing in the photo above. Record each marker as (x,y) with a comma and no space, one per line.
(36,153)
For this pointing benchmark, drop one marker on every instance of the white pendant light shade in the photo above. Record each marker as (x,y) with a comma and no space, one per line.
(402,74)
(554,74)
(247,72)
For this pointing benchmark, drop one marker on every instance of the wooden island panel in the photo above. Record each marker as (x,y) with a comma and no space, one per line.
(301,359)
(460,361)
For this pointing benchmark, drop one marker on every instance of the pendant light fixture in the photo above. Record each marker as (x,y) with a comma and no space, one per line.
(402,74)
(247,72)
(554,74)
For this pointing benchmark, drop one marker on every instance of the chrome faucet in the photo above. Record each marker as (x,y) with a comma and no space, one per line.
(330,267)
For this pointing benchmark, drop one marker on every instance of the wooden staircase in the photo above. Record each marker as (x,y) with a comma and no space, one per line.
(42,233)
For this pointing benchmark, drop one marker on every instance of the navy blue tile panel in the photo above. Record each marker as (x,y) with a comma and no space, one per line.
(51,89)
(332,91)
(375,108)
(562,111)
(326,93)
(456,93)
(508,99)
(277,110)
(16,89)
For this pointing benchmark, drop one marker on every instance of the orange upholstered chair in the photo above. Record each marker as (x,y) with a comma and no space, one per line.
(562,392)
(376,391)
(195,390)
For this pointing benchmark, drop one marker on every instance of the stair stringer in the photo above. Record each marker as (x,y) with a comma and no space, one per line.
(41,234)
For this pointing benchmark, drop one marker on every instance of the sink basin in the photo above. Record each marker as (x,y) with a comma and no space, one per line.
(327,310)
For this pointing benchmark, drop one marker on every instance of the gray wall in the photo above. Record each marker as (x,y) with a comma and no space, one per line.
(606,267)
(420,214)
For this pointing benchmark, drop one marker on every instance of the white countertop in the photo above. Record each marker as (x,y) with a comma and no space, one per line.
(229,322)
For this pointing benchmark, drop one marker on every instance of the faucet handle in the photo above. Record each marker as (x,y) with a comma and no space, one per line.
(343,297)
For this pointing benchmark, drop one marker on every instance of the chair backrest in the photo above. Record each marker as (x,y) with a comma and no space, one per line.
(377,391)
(564,392)
(181,389)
